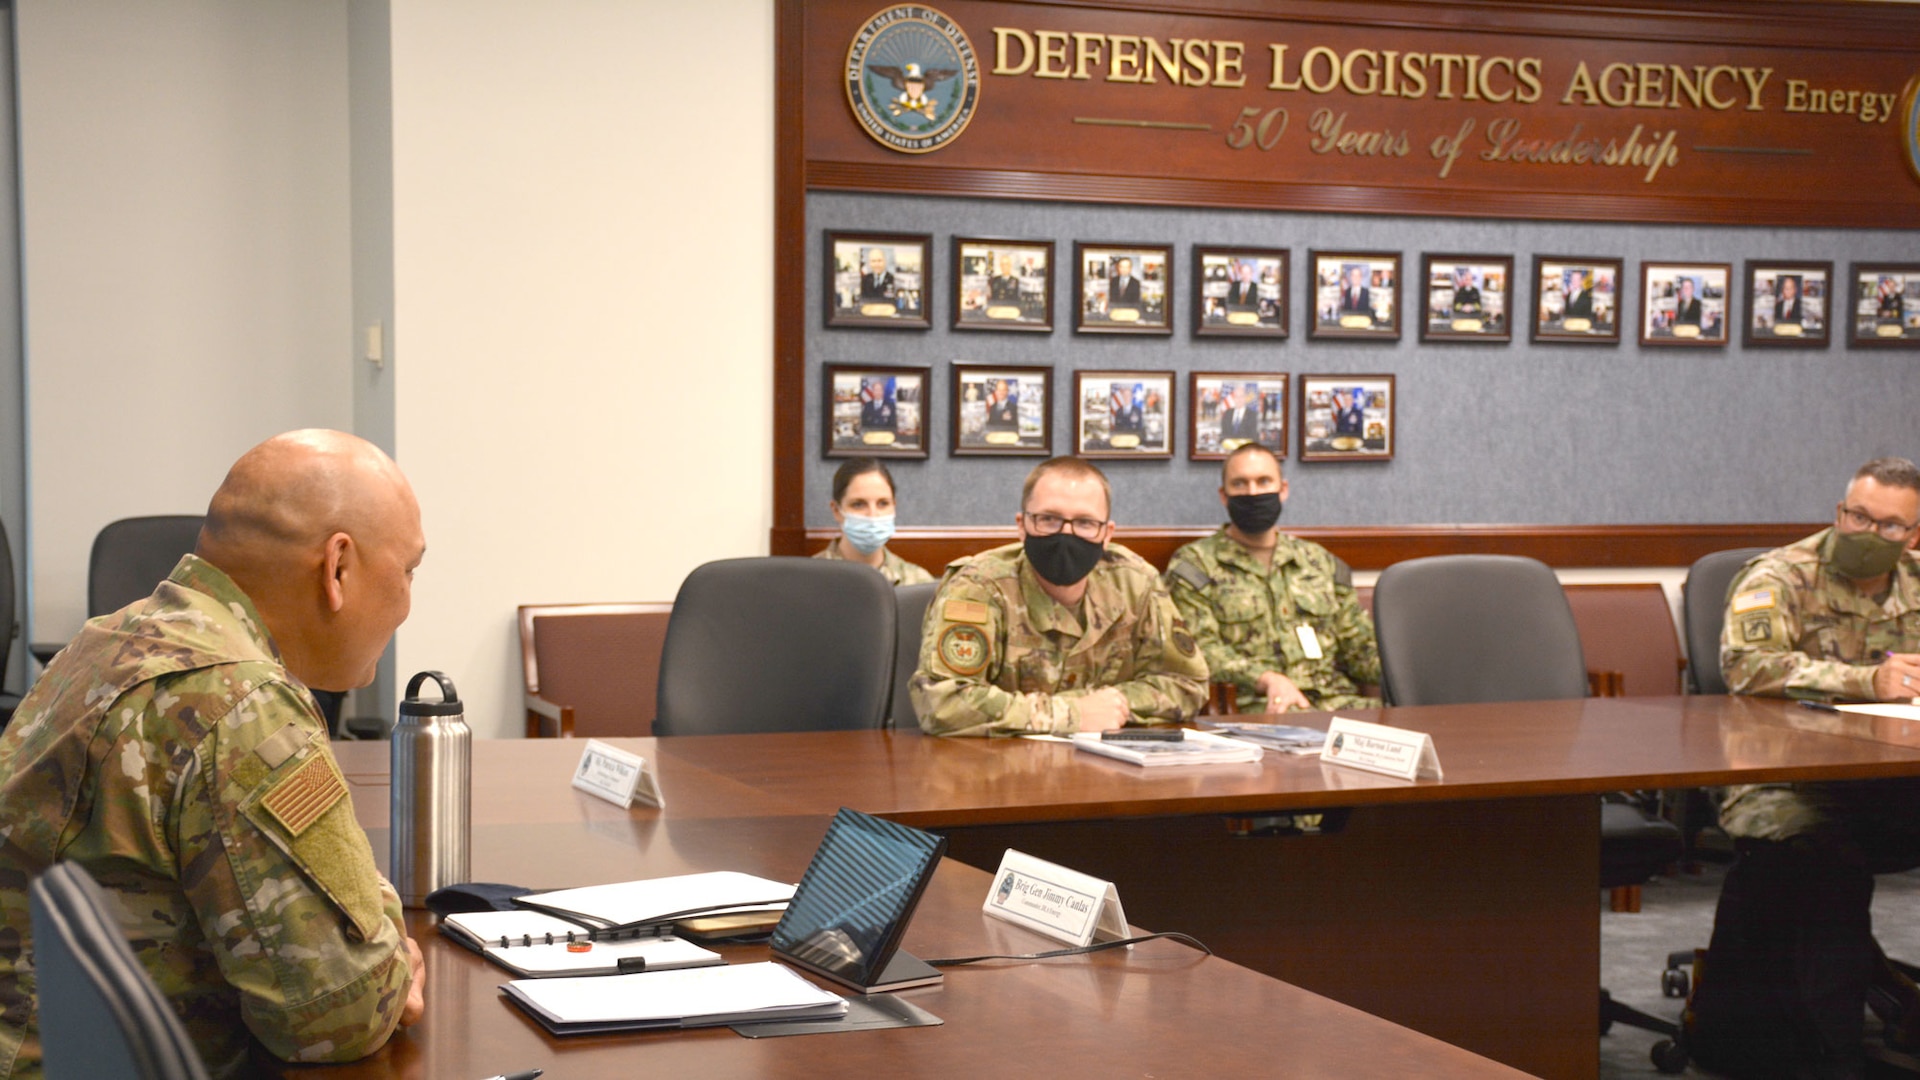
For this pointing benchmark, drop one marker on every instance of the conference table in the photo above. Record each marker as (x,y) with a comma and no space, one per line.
(1462,911)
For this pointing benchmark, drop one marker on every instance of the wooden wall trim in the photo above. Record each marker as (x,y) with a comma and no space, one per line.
(789,269)
(1376,548)
(916,178)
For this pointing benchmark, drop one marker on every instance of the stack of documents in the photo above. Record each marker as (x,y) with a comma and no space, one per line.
(1197,748)
(701,997)
(1283,737)
(603,929)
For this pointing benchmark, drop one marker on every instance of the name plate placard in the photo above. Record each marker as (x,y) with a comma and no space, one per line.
(613,774)
(1063,904)
(1408,755)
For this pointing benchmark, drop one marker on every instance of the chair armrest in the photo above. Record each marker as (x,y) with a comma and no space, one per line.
(547,719)
(45,651)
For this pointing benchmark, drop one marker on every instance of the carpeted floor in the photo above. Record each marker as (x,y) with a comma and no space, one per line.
(1677,913)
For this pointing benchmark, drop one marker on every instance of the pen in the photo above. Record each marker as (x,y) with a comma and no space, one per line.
(528,1075)
(1819,705)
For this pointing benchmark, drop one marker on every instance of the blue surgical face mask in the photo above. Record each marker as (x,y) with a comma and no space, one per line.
(867,534)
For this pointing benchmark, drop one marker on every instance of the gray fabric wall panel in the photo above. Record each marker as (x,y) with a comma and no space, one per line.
(1517,433)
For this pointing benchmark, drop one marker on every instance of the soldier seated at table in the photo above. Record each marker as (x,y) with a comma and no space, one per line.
(1835,616)
(1276,617)
(1058,633)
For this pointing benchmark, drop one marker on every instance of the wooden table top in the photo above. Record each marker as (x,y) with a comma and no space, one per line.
(1508,750)
(1158,1009)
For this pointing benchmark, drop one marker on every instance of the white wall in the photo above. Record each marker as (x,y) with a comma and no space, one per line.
(581,419)
(185,219)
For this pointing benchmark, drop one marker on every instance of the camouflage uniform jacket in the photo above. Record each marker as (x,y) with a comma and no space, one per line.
(998,656)
(895,569)
(168,751)
(1796,629)
(1247,619)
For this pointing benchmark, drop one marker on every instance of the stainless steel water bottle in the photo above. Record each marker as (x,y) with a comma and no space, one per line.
(432,779)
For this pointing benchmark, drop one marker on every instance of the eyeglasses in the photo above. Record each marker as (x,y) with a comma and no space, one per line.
(1048,524)
(1856,521)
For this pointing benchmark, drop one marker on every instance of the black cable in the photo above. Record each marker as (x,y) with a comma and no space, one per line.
(1075,951)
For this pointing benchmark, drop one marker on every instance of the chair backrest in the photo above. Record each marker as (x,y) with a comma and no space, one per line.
(912,601)
(100,1013)
(777,644)
(9,623)
(600,660)
(1473,628)
(132,555)
(1628,628)
(1703,607)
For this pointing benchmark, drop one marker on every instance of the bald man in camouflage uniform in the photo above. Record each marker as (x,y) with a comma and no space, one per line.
(1835,616)
(169,750)
(1276,617)
(1087,641)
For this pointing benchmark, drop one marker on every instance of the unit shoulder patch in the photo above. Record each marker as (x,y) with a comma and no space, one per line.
(964,649)
(1756,629)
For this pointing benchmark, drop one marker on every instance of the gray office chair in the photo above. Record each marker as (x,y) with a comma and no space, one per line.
(777,644)
(1472,628)
(100,1014)
(1703,610)
(1460,629)
(912,601)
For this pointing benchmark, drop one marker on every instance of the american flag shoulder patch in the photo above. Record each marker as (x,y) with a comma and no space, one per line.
(300,797)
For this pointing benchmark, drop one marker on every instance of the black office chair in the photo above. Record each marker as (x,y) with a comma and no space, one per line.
(912,601)
(1703,610)
(777,644)
(100,1014)
(9,625)
(1459,629)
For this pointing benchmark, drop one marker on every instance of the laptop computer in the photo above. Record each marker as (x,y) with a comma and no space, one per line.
(846,919)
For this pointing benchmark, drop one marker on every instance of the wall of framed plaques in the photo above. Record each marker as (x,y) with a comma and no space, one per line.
(1556,428)
(1498,265)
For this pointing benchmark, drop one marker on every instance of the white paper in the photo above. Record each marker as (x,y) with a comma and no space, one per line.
(1197,748)
(661,899)
(691,995)
(1887,709)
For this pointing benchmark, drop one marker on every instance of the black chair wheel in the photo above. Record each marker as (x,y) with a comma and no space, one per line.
(1674,983)
(1669,1056)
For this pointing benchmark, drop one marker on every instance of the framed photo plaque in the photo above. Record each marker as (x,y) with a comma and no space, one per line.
(1231,408)
(1122,288)
(1346,417)
(1683,303)
(1576,298)
(1356,295)
(881,280)
(1466,298)
(1239,292)
(1002,410)
(1003,284)
(1885,311)
(875,411)
(1788,304)
(1123,414)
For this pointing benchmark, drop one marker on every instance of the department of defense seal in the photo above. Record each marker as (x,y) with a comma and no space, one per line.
(1910,125)
(912,79)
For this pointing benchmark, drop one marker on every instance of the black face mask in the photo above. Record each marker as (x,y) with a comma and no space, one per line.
(1062,559)
(1254,514)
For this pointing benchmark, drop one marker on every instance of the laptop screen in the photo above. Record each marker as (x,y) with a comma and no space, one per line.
(851,909)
